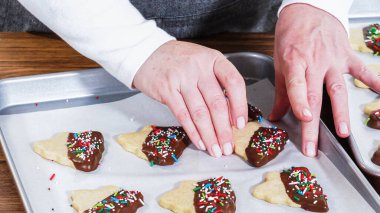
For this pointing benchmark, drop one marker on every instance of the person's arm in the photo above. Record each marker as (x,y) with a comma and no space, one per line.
(188,78)
(312,48)
(113,33)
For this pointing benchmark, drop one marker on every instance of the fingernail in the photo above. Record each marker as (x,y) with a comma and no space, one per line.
(310,149)
(227,149)
(306,113)
(240,122)
(201,145)
(216,150)
(343,129)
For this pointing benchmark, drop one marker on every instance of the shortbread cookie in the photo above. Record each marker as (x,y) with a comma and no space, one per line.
(259,145)
(158,145)
(369,108)
(295,187)
(82,151)
(106,200)
(211,195)
(254,114)
(242,137)
(366,40)
(373,120)
(374,68)
(376,156)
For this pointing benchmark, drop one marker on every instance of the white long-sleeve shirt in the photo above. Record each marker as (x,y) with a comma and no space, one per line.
(114,33)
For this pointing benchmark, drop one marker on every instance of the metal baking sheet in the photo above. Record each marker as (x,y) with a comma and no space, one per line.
(363,140)
(32,173)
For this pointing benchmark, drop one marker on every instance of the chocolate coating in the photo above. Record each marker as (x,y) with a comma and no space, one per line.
(119,202)
(85,149)
(265,145)
(376,157)
(164,145)
(214,195)
(371,35)
(303,189)
(254,113)
(374,119)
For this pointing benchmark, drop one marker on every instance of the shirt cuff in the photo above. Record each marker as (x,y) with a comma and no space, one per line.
(127,70)
(338,8)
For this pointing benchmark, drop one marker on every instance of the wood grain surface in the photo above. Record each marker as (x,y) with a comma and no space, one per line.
(23,54)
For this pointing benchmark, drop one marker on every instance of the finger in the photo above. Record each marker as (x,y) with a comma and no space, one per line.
(231,80)
(360,71)
(310,130)
(178,107)
(336,88)
(281,101)
(217,105)
(200,116)
(297,91)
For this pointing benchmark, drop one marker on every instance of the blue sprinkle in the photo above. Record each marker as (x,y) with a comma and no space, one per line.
(114,199)
(175,159)
(172,136)
(75,135)
(260,119)
(208,185)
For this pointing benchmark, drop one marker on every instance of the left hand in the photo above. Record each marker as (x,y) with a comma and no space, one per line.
(312,48)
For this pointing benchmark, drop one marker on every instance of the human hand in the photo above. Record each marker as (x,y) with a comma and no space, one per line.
(311,47)
(190,79)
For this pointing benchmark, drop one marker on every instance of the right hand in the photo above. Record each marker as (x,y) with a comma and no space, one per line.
(190,79)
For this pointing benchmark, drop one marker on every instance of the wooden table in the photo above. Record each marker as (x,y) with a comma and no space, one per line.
(24,54)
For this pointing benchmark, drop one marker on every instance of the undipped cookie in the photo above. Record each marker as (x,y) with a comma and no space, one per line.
(211,195)
(374,68)
(82,151)
(106,200)
(158,145)
(295,187)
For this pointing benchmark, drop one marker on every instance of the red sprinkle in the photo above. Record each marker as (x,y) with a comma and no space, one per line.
(52,177)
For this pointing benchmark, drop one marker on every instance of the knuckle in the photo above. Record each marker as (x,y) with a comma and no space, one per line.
(200,113)
(234,79)
(219,104)
(182,116)
(295,83)
(314,99)
(337,88)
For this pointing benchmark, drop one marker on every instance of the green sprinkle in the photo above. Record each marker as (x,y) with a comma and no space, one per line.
(296,198)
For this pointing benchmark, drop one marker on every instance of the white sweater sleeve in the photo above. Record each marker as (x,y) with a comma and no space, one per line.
(338,8)
(113,33)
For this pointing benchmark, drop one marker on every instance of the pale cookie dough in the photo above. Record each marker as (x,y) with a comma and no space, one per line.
(180,200)
(54,149)
(86,199)
(369,108)
(357,41)
(132,142)
(242,136)
(373,67)
(272,190)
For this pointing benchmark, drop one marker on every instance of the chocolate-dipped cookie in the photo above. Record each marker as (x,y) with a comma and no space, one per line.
(82,151)
(374,119)
(265,145)
(376,156)
(158,145)
(108,199)
(211,195)
(302,187)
